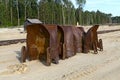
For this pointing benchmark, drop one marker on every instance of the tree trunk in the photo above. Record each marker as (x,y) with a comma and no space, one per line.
(38,12)
(25,12)
(11,15)
(18,13)
(63,15)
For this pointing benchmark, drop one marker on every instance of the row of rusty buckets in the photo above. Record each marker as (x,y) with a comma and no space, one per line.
(50,43)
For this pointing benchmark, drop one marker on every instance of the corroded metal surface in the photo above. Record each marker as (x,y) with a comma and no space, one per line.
(54,46)
(66,39)
(91,40)
(53,42)
(38,40)
(78,35)
(42,43)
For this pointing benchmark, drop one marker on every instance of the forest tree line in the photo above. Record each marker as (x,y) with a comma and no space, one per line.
(116,19)
(63,12)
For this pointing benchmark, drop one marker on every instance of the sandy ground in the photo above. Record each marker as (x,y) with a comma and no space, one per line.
(102,66)
(11,33)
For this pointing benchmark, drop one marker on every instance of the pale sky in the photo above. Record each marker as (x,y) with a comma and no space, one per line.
(106,6)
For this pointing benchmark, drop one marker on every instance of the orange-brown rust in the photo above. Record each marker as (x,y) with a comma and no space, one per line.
(54,46)
(91,40)
(66,38)
(38,39)
(42,43)
(77,39)
(51,42)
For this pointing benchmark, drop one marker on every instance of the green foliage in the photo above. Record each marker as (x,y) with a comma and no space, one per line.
(63,12)
(116,19)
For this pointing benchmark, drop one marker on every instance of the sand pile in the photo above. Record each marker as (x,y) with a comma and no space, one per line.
(15,69)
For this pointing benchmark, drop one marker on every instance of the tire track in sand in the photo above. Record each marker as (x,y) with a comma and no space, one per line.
(89,70)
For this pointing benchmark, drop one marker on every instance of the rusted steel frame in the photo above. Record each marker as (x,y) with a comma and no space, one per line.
(36,35)
(95,38)
(67,42)
(78,35)
(90,39)
(23,54)
(54,46)
(100,45)
(84,49)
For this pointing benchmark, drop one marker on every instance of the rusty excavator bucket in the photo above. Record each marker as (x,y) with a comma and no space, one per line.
(78,35)
(49,43)
(66,41)
(41,43)
(54,46)
(83,36)
(90,40)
